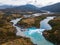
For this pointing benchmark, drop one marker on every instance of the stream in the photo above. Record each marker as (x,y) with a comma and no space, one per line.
(33,33)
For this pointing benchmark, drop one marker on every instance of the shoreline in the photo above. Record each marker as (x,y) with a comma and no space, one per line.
(53,35)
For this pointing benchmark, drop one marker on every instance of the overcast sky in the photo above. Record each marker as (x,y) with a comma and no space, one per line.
(23,2)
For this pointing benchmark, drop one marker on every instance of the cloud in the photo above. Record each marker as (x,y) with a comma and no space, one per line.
(12,2)
(34,2)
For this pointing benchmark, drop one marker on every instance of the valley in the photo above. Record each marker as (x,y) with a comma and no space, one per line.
(8,31)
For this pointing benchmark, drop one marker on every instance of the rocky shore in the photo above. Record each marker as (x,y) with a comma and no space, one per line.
(54,34)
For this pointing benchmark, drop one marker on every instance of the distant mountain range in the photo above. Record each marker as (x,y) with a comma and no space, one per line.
(27,8)
(30,8)
(6,6)
(52,8)
(23,8)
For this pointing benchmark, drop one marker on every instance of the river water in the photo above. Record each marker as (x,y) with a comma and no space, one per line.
(34,33)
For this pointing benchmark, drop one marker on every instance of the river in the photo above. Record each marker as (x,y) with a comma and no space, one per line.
(34,33)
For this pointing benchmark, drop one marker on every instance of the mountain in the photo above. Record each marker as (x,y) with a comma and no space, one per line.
(23,8)
(6,6)
(52,8)
(26,8)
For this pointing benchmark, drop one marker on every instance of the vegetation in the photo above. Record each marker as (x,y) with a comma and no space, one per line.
(54,34)
(31,22)
(7,31)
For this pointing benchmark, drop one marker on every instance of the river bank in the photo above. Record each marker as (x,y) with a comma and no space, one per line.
(8,32)
(54,34)
(35,34)
(31,22)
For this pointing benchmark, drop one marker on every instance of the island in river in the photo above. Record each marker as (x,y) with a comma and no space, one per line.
(31,22)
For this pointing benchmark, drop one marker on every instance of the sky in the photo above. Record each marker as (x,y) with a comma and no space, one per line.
(23,2)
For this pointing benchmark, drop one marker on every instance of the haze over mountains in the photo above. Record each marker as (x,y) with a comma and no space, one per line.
(22,8)
(29,7)
(6,6)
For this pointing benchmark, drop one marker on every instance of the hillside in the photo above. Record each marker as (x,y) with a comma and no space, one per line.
(8,32)
(22,9)
(54,34)
(52,8)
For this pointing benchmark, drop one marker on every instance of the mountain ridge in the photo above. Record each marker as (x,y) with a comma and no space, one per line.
(23,8)
(31,8)
(52,8)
